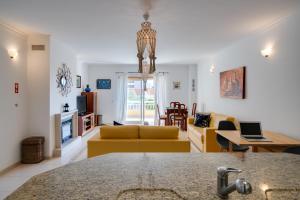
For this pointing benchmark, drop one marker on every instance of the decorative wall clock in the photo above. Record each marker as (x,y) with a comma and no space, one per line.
(64,80)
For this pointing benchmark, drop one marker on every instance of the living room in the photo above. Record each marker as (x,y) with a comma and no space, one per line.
(180,104)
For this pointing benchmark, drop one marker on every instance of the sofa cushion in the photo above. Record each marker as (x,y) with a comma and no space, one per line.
(158,132)
(119,132)
(202,120)
(216,118)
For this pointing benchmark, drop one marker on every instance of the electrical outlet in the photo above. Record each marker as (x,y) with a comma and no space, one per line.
(16,88)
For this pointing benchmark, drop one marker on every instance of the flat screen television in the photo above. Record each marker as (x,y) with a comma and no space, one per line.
(81,104)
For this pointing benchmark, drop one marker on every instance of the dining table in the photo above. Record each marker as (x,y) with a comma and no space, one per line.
(171,110)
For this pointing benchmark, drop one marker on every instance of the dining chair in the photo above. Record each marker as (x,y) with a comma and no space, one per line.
(160,117)
(294,150)
(174,111)
(173,104)
(182,106)
(223,142)
(180,116)
(194,109)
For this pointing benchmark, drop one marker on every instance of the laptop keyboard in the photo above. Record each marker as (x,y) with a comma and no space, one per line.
(255,137)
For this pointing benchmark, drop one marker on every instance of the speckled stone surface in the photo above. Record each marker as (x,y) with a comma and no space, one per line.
(164,176)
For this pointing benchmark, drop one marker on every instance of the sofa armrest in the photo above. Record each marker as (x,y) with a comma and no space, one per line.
(210,129)
(191,120)
(211,140)
(210,133)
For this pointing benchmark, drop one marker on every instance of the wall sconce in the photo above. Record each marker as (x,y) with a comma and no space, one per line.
(267,52)
(212,69)
(13,53)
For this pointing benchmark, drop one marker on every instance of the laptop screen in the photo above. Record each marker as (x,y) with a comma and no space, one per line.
(250,128)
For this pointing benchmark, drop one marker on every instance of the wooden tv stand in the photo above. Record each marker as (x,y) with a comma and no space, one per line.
(86,123)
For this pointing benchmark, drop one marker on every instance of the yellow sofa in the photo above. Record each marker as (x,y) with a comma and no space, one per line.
(133,138)
(205,138)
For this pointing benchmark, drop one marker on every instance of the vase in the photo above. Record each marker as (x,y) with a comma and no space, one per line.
(87,89)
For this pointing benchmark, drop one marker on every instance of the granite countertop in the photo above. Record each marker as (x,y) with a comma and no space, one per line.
(165,176)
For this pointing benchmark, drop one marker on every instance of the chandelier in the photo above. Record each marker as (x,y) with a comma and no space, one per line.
(146,44)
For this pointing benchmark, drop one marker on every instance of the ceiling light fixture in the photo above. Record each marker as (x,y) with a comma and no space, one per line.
(146,44)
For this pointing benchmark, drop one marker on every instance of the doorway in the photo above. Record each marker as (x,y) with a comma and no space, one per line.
(140,100)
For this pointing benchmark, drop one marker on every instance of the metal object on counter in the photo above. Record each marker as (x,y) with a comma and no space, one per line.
(223,188)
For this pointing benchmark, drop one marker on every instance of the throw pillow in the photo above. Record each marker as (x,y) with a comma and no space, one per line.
(117,124)
(202,120)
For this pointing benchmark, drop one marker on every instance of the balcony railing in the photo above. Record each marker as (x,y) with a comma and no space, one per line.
(134,110)
(137,106)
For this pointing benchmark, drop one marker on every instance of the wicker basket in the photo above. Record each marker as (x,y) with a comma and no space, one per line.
(33,150)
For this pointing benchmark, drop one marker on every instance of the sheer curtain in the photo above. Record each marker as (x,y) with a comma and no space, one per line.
(160,94)
(121,96)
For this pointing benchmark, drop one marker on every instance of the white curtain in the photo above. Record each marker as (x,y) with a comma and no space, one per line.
(160,94)
(121,96)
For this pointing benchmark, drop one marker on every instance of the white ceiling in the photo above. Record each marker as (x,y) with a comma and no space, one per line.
(105,30)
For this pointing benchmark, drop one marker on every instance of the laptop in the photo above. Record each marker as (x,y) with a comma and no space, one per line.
(251,131)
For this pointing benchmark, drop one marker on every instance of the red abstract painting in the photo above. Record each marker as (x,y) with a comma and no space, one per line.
(232,83)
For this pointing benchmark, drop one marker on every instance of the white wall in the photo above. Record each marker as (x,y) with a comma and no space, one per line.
(39,89)
(106,98)
(13,120)
(82,70)
(272,85)
(59,54)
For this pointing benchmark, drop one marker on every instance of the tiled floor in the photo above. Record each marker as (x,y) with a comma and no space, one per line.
(14,178)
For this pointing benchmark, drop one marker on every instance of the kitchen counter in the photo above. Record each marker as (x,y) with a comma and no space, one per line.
(165,175)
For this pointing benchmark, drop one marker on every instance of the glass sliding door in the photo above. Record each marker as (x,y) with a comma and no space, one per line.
(140,100)
(149,102)
(134,103)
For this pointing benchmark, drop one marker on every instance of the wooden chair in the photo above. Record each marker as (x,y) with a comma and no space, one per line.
(160,117)
(180,117)
(175,111)
(194,109)
(182,106)
(174,104)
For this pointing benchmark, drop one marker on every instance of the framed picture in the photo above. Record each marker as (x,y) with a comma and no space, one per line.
(176,85)
(103,84)
(232,83)
(78,81)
